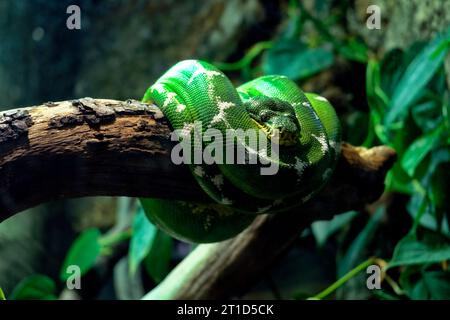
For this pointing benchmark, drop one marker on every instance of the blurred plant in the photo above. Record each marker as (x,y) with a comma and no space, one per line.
(408,101)
(293,56)
(147,246)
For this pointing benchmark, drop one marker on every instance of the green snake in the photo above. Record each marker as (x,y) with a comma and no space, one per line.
(302,132)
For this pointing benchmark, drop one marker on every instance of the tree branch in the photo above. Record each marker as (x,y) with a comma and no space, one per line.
(90,147)
(87,147)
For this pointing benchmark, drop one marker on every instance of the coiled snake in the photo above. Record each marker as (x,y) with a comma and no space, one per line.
(302,131)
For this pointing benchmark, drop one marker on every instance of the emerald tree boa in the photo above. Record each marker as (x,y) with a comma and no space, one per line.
(290,143)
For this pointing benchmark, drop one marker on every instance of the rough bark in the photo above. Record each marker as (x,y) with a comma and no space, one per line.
(86,147)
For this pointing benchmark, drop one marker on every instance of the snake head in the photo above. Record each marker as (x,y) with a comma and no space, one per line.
(276,118)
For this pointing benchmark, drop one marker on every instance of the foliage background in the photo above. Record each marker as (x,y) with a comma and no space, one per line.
(389,86)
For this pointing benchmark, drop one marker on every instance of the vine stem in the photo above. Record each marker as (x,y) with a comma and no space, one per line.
(247,59)
(115,238)
(340,282)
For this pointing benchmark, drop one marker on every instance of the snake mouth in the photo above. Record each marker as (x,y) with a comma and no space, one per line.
(281,137)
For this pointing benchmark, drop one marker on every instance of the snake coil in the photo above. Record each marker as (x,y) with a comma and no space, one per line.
(303,127)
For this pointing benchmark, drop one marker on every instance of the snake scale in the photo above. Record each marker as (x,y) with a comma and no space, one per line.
(303,126)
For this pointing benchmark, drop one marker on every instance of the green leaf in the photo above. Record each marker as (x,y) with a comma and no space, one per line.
(354,125)
(295,60)
(2,295)
(427,115)
(377,101)
(354,50)
(151,246)
(397,180)
(83,253)
(439,186)
(356,252)
(416,77)
(157,262)
(428,205)
(35,287)
(127,286)
(392,66)
(323,229)
(411,251)
(294,25)
(372,83)
(144,234)
(419,149)
(420,284)
(433,191)
(419,210)
(382,295)
(438,284)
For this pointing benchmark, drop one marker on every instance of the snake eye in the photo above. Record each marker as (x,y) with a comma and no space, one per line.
(266,115)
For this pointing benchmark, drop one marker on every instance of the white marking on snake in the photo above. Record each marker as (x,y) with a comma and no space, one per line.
(211,90)
(307,197)
(300,166)
(332,144)
(262,153)
(226,201)
(337,147)
(186,131)
(277,77)
(316,116)
(170,97)
(322,139)
(264,209)
(207,223)
(321,98)
(222,105)
(158,87)
(210,74)
(218,180)
(180,107)
(306,104)
(199,171)
(277,202)
(326,174)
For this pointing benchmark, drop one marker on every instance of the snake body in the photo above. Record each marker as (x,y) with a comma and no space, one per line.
(304,127)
